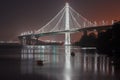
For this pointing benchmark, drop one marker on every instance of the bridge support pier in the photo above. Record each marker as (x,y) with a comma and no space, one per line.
(36,40)
(85,32)
(67,39)
(23,40)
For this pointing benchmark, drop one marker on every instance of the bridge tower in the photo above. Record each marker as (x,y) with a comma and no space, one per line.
(67,25)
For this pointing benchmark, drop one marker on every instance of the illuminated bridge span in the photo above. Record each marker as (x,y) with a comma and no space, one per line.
(67,21)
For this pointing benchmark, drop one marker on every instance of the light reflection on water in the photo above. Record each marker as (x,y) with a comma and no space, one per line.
(67,69)
(59,63)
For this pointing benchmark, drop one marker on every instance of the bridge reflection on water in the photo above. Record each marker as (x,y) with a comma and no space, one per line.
(58,63)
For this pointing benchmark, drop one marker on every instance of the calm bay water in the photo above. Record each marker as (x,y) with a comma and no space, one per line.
(58,64)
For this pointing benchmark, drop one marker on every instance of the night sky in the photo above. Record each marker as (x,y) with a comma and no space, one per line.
(18,16)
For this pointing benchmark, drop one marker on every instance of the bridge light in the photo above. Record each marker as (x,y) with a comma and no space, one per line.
(112,21)
(95,23)
(103,22)
(84,24)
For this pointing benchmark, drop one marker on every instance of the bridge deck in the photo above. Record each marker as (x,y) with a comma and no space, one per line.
(70,31)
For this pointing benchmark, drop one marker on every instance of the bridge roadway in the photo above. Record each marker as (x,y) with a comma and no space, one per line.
(98,28)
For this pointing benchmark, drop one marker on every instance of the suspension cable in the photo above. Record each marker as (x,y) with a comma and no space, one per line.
(75,20)
(50,21)
(58,21)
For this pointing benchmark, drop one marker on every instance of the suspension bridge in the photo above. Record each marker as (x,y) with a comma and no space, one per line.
(67,21)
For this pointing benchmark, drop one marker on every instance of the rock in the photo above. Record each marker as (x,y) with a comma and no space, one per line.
(40,62)
(72,54)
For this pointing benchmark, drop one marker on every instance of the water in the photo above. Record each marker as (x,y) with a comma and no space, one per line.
(58,64)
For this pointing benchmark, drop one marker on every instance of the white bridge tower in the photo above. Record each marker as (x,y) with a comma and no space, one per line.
(67,25)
